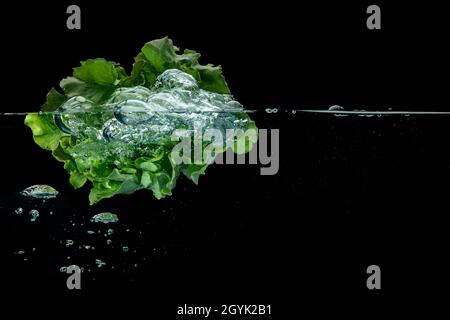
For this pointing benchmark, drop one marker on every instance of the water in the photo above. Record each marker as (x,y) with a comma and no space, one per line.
(333,110)
(343,181)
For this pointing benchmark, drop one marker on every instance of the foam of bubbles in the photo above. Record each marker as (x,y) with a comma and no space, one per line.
(141,116)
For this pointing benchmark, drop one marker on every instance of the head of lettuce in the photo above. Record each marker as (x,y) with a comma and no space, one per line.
(115,129)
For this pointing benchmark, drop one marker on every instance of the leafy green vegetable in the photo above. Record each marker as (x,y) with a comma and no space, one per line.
(116,130)
(45,132)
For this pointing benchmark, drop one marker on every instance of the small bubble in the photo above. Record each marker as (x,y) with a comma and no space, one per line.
(69,243)
(109,241)
(99,263)
(125,249)
(80,99)
(274,110)
(63,269)
(336,108)
(18,211)
(34,214)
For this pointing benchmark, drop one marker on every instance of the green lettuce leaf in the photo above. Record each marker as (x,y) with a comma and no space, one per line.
(117,167)
(45,132)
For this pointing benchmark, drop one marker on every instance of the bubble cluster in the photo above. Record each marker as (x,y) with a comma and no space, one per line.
(141,116)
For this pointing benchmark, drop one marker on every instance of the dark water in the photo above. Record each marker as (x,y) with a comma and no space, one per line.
(350,192)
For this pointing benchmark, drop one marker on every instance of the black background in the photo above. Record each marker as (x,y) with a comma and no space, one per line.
(350,193)
(283,54)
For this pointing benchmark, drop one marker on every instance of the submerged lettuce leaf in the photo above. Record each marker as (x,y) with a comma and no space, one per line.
(120,166)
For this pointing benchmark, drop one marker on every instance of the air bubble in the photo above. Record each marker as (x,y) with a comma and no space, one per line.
(34,214)
(69,243)
(41,191)
(105,217)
